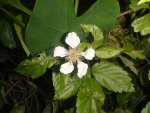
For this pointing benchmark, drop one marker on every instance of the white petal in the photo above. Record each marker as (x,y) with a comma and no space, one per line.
(72,40)
(60,52)
(66,68)
(82,69)
(89,54)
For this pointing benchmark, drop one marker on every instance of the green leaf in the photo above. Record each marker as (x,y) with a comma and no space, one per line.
(143,1)
(37,66)
(96,32)
(128,63)
(112,77)
(90,97)
(142,24)
(46,27)
(134,5)
(146,109)
(17,4)
(6,35)
(123,98)
(70,110)
(120,110)
(136,54)
(65,86)
(107,51)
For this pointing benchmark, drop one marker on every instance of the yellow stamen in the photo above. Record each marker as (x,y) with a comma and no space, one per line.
(74,55)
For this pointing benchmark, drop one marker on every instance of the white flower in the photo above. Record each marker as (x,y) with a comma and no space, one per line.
(73,55)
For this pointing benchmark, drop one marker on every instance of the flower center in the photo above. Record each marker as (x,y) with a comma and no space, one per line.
(73,55)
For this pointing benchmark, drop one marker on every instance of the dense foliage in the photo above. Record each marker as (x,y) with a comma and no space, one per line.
(105,70)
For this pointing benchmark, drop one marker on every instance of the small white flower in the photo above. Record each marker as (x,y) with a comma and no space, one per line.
(73,55)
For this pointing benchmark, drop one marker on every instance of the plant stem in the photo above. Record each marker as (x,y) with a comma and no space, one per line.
(12,16)
(76,6)
(18,32)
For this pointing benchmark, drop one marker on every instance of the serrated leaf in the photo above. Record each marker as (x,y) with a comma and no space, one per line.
(136,54)
(146,109)
(90,97)
(37,66)
(51,25)
(6,35)
(123,98)
(107,51)
(134,5)
(128,63)
(65,86)
(142,24)
(112,77)
(96,32)
(143,1)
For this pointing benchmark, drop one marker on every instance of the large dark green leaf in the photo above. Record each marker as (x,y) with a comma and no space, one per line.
(6,35)
(51,20)
(37,66)
(90,97)
(112,77)
(65,85)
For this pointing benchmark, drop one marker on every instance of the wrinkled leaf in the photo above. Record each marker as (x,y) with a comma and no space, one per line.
(107,51)
(143,1)
(90,97)
(128,63)
(6,35)
(146,109)
(112,77)
(142,24)
(17,4)
(123,98)
(96,33)
(37,66)
(52,25)
(65,86)
(136,54)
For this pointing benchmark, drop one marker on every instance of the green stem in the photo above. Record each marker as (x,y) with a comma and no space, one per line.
(76,6)
(18,32)
(12,16)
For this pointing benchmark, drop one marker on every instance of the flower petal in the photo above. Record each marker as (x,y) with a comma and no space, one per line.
(82,69)
(60,52)
(67,68)
(72,40)
(89,54)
